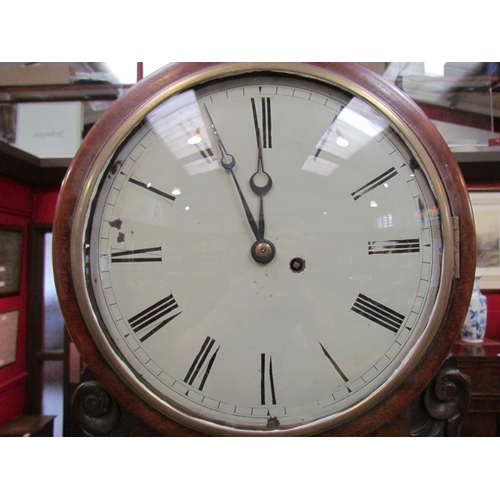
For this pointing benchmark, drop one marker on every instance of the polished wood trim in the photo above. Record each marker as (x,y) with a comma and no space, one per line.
(460,117)
(57,355)
(29,426)
(484,186)
(481,361)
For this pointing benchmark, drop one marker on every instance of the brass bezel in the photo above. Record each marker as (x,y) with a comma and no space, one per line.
(81,220)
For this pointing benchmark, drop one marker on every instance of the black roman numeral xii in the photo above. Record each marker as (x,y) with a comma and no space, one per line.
(265,128)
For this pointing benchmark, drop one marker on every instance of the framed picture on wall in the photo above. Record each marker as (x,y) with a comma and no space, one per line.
(8,337)
(11,238)
(486,208)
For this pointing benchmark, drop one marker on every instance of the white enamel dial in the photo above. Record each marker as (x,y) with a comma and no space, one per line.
(226,344)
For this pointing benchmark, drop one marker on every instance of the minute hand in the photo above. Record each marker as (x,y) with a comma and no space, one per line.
(228,162)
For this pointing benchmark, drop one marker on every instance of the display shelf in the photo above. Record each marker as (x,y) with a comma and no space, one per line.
(21,166)
(481,361)
(69,92)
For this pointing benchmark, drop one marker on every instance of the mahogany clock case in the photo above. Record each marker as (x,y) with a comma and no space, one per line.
(395,104)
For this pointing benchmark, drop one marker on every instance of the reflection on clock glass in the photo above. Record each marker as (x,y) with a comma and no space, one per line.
(264,254)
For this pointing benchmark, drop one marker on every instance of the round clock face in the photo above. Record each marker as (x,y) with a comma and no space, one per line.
(262,254)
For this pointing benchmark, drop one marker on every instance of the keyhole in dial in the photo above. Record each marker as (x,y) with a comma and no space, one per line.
(297,265)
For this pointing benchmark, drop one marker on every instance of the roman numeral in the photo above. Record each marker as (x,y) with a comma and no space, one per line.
(374,183)
(266,128)
(138,255)
(263,379)
(394,246)
(202,364)
(141,322)
(334,364)
(207,154)
(149,187)
(378,313)
(326,136)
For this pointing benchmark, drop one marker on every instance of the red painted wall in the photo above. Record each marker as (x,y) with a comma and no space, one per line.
(20,205)
(44,203)
(15,210)
(493,314)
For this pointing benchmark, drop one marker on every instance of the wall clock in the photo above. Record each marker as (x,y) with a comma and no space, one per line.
(264,249)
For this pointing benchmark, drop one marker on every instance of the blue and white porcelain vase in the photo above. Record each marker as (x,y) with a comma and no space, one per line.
(475,323)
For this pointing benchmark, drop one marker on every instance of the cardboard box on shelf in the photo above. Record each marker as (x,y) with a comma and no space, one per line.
(36,74)
(49,129)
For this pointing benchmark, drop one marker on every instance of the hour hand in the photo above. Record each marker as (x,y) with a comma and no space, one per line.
(263,251)
(264,184)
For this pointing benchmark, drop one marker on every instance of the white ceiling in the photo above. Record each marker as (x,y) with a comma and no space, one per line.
(462,98)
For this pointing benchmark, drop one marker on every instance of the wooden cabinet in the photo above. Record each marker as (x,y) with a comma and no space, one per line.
(29,426)
(482,363)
